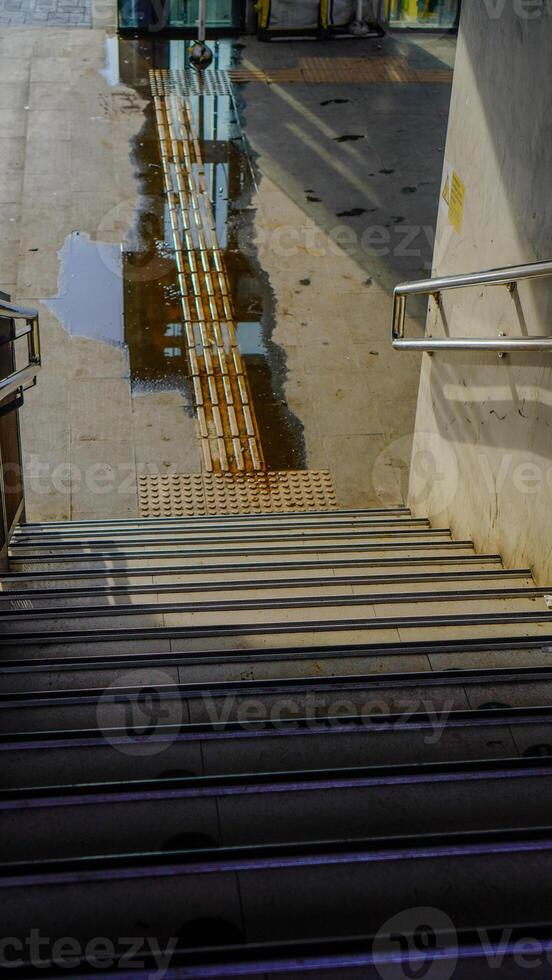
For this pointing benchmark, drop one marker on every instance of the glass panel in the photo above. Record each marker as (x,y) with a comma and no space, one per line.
(158,15)
(441,14)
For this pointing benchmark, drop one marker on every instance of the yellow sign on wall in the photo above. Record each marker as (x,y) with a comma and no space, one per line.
(456,203)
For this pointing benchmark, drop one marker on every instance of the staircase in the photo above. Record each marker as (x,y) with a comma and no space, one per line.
(261,744)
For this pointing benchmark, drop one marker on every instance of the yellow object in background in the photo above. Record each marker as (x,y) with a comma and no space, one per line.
(263,9)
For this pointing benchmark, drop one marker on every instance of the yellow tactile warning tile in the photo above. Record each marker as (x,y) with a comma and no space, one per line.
(441,76)
(254,74)
(200,494)
(226,422)
(355,70)
(351,71)
(212,82)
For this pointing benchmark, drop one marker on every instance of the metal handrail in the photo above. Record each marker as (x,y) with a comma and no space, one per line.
(508,276)
(16,380)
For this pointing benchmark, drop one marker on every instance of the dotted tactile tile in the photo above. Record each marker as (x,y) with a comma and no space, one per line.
(192,83)
(204,494)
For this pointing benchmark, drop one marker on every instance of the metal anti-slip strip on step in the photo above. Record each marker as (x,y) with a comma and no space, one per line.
(228,518)
(337,651)
(303,548)
(317,957)
(253,567)
(152,530)
(272,856)
(404,681)
(139,541)
(266,629)
(331,542)
(278,781)
(286,602)
(25,595)
(322,725)
(393,681)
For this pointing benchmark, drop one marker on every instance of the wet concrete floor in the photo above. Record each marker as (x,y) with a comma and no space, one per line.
(314,242)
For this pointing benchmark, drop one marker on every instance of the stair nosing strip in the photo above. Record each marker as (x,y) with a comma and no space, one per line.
(283,602)
(287,549)
(408,648)
(253,629)
(243,585)
(278,781)
(322,725)
(267,856)
(269,686)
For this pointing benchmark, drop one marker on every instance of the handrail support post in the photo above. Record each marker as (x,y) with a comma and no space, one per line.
(509,277)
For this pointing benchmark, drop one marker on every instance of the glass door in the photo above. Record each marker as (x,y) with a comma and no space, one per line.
(180,15)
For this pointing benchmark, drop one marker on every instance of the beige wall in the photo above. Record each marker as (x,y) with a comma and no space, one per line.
(483,448)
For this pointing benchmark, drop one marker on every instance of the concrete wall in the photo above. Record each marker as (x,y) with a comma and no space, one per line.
(483,447)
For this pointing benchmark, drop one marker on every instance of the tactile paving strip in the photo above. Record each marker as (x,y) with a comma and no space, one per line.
(203,494)
(266,75)
(193,83)
(350,71)
(441,76)
(227,428)
(355,70)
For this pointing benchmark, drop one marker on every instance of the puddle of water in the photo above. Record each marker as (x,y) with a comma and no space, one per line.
(152,311)
(279,430)
(111,70)
(90,289)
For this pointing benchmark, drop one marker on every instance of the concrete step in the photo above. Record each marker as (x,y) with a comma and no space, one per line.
(273,808)
(330,603)
(260,745)
(384,568)
(466,951)
(197,633)
(307,665)
(284,892)
(109,705)
(177,530)
(259,589)
(234,544)
(64,670)
(280,517)
(249,556)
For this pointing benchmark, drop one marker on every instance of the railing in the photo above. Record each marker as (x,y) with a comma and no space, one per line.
(18,379)
(15,378)
(434,287)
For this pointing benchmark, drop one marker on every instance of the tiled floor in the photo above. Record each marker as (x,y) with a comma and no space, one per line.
(45,13)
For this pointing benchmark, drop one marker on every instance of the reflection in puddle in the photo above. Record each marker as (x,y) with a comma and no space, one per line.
(280,432)
(152,310)
(111,70)
(90,289)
